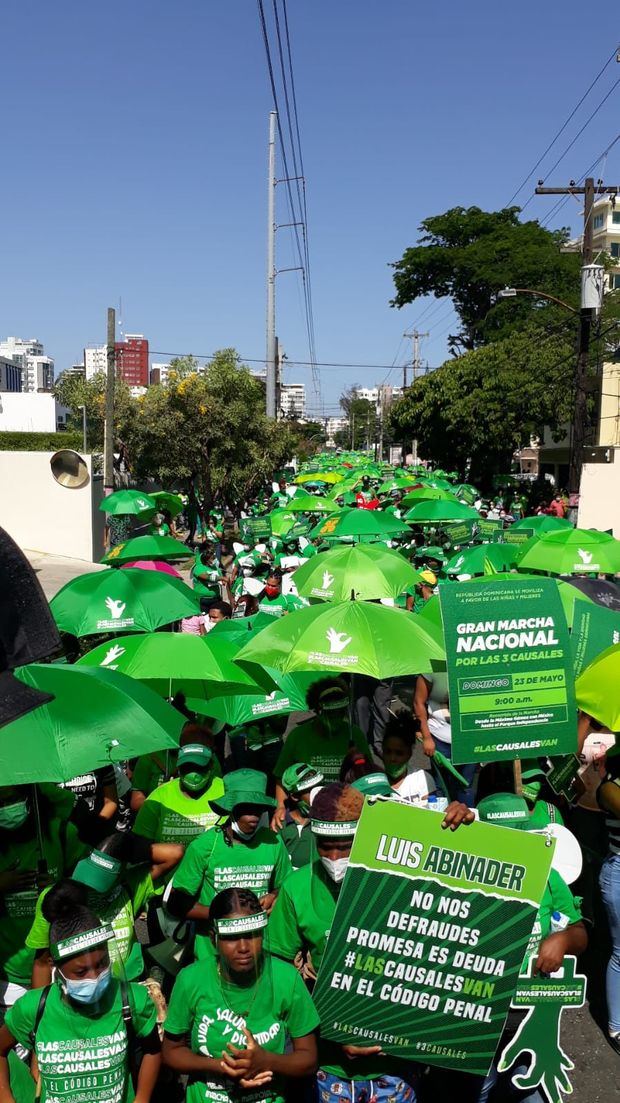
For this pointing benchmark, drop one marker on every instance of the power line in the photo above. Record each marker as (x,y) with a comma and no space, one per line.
(557,207)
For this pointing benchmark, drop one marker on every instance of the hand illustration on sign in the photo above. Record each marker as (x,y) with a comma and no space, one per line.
(337,640)
(539,1033)
(112,655)
(585,556)
(327,580)
(115,608)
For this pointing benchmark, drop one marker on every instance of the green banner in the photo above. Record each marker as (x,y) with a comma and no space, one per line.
(488,529)
(462,532)
(518,536)
(429,935)
(255,529)
(594,630)
(510,672)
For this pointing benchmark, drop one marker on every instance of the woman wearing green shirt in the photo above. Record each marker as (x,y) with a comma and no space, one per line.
(82,1028)
(232,1016)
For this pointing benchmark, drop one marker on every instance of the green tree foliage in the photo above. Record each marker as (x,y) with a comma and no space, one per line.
(75,391)
(363,428)
(473,412)
(468,255)
(208,426)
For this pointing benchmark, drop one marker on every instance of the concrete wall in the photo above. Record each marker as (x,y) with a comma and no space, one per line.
(609,428)
(599,506)
(42,515)
(27,413)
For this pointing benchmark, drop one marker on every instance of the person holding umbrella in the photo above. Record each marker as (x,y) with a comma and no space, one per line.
(238,853)
(83,1028)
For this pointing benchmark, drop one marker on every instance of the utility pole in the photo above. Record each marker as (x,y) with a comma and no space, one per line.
(415,357)
(352,429)
(270,358)
(380,424)
(279,358)
(582,421)
(108,429)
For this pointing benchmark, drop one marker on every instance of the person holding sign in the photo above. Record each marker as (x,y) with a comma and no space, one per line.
(232,1015)
(83,1027)
(431,706)
(608,796)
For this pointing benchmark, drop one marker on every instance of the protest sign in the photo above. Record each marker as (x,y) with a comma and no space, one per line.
(594,630)
(545,998)
(518,536)
(487,529)
(255,529)
(462,532)
(563,777)
(429,935)
(510,675)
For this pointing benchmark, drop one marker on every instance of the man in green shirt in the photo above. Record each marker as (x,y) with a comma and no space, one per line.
(181,809)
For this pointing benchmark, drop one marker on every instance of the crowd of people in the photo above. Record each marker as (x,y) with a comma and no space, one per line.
(163,920)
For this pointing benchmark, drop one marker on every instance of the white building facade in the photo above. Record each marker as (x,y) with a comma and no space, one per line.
(95,360)
(29,355)
(293,400)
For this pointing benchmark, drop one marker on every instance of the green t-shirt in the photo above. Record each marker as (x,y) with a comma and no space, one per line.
(206,579)
(149,771)
(297,839)
(169,815)
(213,1014)
(557,897)
(278,606)
(62,849)
(119,908)
(82,1055)
(306,743)
(544,813)
(211,864)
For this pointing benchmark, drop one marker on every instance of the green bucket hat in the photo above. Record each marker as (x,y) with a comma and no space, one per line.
(505,810)
(299,778)
(243,787)
(98,871)
(373,785)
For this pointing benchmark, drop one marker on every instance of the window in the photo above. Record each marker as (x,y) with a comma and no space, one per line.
(614,249)
(599,220)
(615,283)
(615,218)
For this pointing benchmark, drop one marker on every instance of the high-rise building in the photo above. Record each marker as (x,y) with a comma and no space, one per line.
(293,400)
(95,360)
(29,355)
(132,360)
(159,373)
(10,375)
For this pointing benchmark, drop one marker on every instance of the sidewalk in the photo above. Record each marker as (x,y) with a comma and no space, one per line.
(54,570)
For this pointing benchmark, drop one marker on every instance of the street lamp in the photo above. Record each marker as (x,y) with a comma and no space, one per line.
(83,409)
(512,292)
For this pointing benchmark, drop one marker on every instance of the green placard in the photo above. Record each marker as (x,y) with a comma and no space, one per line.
(462,532)
(594,630)
(518,536)
(255,529)
(487,529)
(562,777)
(429,935)
(510,671)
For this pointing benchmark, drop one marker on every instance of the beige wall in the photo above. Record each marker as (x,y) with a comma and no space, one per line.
(42,515)
(599,506)
(609,429)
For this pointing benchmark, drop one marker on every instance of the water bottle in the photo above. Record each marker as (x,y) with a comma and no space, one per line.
(559,922)
(437,804)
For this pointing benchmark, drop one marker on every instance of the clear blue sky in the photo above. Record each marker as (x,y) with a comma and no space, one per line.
(134,161)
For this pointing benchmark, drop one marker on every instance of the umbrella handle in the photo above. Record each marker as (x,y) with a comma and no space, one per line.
(42,867)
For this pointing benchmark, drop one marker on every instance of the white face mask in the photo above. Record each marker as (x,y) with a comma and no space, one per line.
(263,822)
(209,624)
(336,868)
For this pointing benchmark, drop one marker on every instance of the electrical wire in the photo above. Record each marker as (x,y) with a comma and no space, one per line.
(563,200)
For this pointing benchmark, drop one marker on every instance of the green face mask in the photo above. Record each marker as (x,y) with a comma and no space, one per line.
(395,770)
(531,791)
(303,807)
(12,816)
(195,781)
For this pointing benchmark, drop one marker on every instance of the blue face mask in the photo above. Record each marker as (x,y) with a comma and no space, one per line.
(87,991)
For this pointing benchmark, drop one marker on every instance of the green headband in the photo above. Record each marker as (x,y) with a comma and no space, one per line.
(240,925)
(78,943)
(334,828)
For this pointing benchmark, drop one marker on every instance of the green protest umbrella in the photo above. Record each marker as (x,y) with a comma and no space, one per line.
(165,548)
(96,717)
(466,492)
(290,697)
(427,494)
(571,551)
(170,502)
(360,523)
(592,688)
(282,520)
(240,628)
(131,600)
(398,484)
(432,513)
(312,503)
(366,571)
(323,476)
(542,522)
(128,502)
(176,662)
(350,637)
(483,559)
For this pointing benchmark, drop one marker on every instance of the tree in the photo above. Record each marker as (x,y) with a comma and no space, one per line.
(75,391)
(207,427)
(468,255)
(473,412)
(361,414)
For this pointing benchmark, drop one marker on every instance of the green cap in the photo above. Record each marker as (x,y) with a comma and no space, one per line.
(505,810)
(243,787)
(373,785)
(195,754)
(300,777)
(432,552)
(98,871)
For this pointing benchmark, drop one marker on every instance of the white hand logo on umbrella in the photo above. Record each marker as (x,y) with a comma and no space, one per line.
(460,561)
(112,655)
(327,579)
(337,640)
(116,608)
(142,503)
(585,556)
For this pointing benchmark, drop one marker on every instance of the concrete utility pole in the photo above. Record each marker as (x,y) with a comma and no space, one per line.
(581,428)
(108,429)
(415,356)
(270,358)
(279,359)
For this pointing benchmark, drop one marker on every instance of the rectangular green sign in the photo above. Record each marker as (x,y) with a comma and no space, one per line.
(462,532)
(488,529)
(594,630)
(510,671)
(518,536)
(255,529)
(429,935)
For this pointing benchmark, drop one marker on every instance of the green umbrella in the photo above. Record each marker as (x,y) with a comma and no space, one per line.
(432,513)
(290,697)
(466,492)
(325,477)
(176,662)
(542,522)
(240,628)
(312,503)
(131,600)
(360,523)
(483,559)
(96,717)
(350,637)
(170,502)
(367,571)
(592,688)
(427,494)
(571,551)
(282,520)
(398,484)
(147,547)
(124,502)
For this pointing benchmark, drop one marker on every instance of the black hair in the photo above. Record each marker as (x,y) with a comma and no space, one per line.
(113,845)
(355,764)
(317,689)
(227,901)
(63,895)
(401,727)
(222,607)
(65,915)
(274,572)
